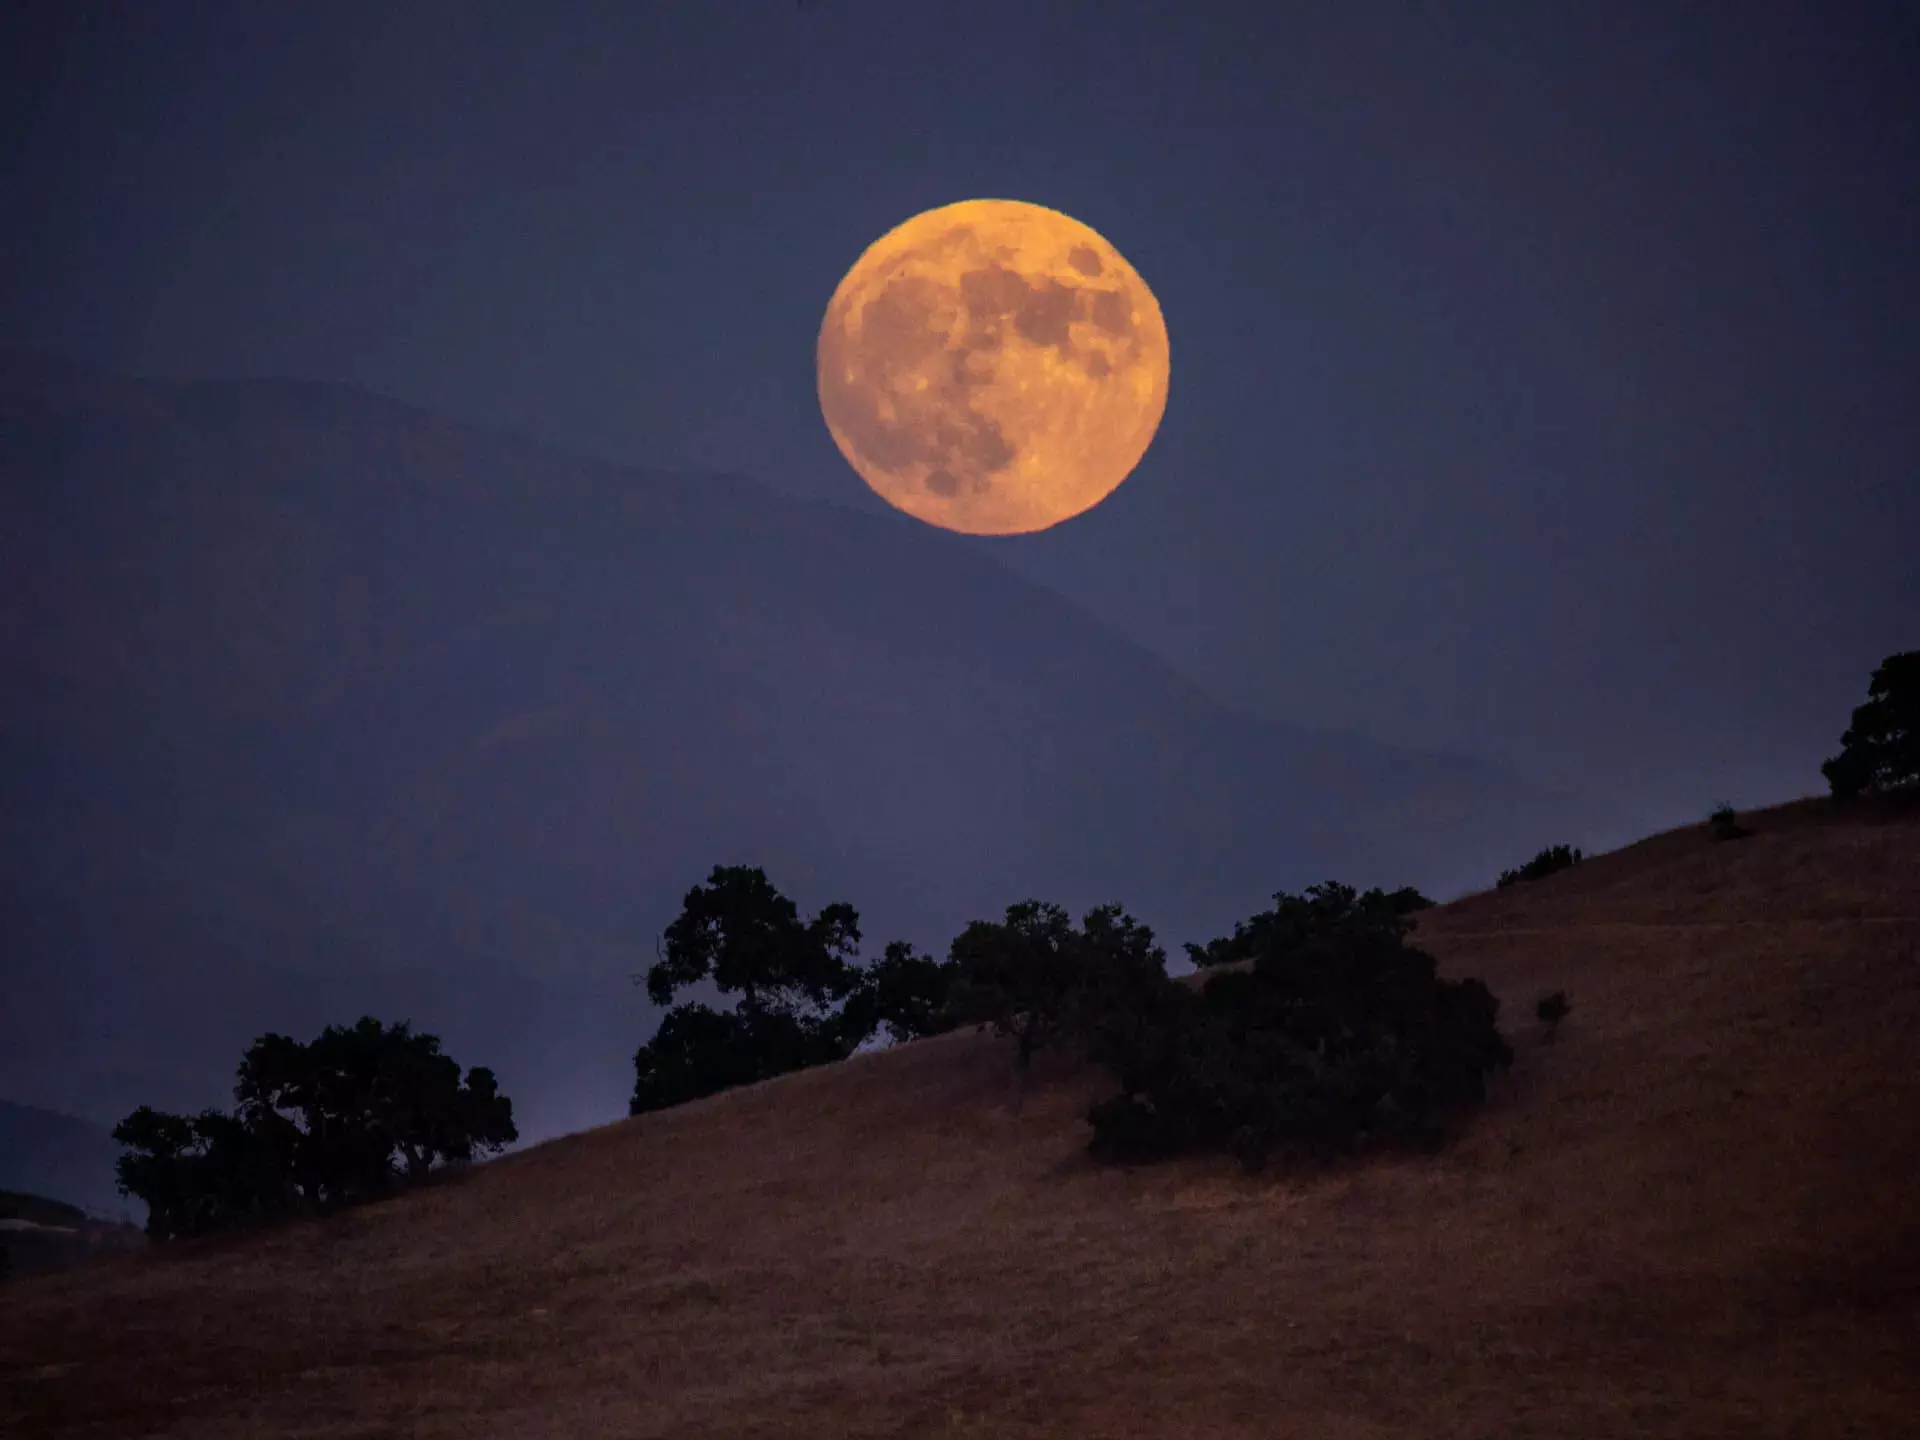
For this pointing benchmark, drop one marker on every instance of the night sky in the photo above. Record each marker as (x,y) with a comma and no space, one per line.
(1545,377)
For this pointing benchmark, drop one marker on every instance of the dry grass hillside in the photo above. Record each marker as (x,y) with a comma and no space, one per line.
(1694,1213)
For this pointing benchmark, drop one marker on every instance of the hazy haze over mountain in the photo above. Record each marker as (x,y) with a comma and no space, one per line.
(62,1158)
(320,704)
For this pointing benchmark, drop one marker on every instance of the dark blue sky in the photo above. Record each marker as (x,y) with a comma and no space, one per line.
(1545,377)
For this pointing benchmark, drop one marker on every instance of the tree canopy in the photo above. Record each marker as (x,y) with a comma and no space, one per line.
(1324,1031)
(798,995)
(1880,750)
(201,1173)
(1336,1036)
(1325,909)
(905,994)
(361,1100)
(1034,975)
(342,1118)
(743,934)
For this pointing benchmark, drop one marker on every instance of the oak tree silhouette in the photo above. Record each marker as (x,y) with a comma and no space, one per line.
(1880,750)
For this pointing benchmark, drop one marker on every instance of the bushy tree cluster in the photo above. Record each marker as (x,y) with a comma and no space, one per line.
(1336,1034)
(342,1118)
(1547,862)
(798,995)
(1333,1033)
(1345,1039)
(1881,748)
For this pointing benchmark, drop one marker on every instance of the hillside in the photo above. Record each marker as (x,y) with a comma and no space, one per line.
(1691,1214)
(306,683)
(38,1234)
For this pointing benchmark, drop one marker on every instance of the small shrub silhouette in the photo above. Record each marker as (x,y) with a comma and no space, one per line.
(1551,1010)
(1724,823)
(1547,862)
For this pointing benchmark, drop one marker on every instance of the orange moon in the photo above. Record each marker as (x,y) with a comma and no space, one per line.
(993,367)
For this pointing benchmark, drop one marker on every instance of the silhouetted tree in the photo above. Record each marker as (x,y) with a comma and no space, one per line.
(700,1051)
(800,999)
(359,1101)
(740,932)
(906,994)
(1881,748)
(1035,977)
(341,1118)
(1550,860)
(200,1173)
(1335,1036)
(1326,909)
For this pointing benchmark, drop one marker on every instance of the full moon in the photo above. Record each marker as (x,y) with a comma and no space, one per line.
(993,367)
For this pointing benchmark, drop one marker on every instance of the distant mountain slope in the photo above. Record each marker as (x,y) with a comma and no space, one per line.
(299,679)
(20,1207)
(61,1157)
(38,1235)
(1690,1213)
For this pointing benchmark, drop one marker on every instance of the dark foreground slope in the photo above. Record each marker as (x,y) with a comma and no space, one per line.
(297,680)
(1691,1214)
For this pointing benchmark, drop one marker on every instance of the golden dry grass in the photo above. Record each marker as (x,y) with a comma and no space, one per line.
(1694,1213)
